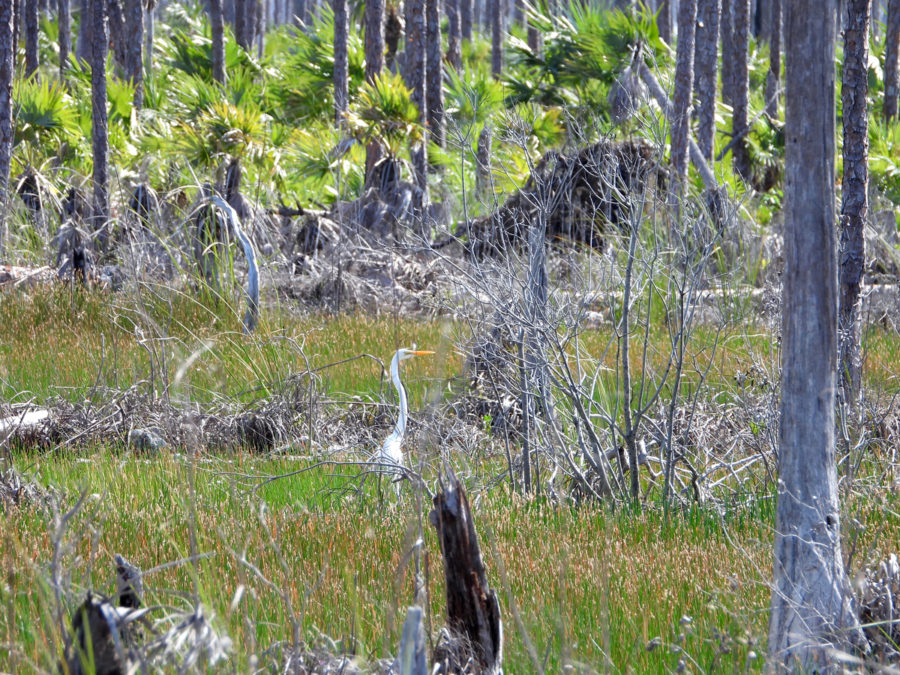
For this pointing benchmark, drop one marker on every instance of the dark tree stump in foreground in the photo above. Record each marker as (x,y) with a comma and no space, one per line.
(473,611)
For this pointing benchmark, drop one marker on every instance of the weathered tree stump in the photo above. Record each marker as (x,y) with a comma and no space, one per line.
(473,610)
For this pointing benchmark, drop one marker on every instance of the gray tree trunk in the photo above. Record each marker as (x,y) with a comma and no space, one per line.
(664,20)
(65,36)
(7,61)
(415,80)
(31,37)
(454,51)
(684,86)
(149,28)
(434,72)
(341,67)
(240,22)
(115,21)
(134,29)
(99,135)
(739,153)
(374,49)
(483,168)
(465,18)
(773,78)
(217,29)
(496,37)
(855,203)
(891,70)
(726,35)
(706,71)
(812,609)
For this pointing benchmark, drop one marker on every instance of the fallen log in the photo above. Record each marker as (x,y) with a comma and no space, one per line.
(473,610)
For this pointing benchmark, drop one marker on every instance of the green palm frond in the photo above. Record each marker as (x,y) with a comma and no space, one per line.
(44,112)
(385,110)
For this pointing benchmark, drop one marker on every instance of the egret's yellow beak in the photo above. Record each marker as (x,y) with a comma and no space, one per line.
(421,353)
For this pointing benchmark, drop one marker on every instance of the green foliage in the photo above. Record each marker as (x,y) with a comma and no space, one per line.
(385,111)
(884,157)
(44,114)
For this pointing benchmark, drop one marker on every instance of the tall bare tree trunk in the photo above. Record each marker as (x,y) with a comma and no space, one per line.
(466,11)
(374,47)
(240,22)
(812,608)
(855,202)
(65,36)
(684,84)
(31,37)
(415,80)
(99,135)
(454,51)
(134,29)
(217,29)
(706,71)
(773,77)
(664,20)
(341,62)
(434,72)
(741,104)
(7,61)
(149,28)
(496,37)
(891,70)
(726,35)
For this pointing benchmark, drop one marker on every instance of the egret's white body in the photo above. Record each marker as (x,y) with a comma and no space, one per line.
(391,451)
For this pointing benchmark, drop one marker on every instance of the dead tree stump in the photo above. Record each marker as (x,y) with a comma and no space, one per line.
(473,611)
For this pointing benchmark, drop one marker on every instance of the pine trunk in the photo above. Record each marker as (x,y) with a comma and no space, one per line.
(664,20)
(134,28)
(65,36)
(454,51)
(149,27)
(435,72)
(706,71)
(415,80)
(466,11)
(773,78)
(496,37)
(726,36)
(891,70)
(341,67)
(812,608)
(684,84)
(7,61)
(240,22)
(217,29)
(31,37)
(99,137)
(739,153)
(374,48)
(855,204)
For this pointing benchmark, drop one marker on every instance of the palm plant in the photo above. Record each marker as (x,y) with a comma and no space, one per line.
(384,111)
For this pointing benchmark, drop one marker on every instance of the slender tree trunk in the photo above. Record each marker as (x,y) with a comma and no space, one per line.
(706,70)
(240,22)
(739,153)
(496,37)
(891,70)
(65,36)
(664,20)
(855,204)
(83,44)
(483,168)
(773,78)
(341,67)
(149,27)
(115,21)
(217,28)
(434,72)
(99,137)
(465,18)
(7,61)
(812,610)
(454,51)
(228,12)
(415,71)
(374,48)
(17,22)
(134,27)
(684,86)
(393,31)
(31,37)
(726,35)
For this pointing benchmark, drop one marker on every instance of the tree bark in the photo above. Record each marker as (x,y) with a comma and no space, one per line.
(496,37)
(65,36)
(739,153)
(415,80)
(773,77)
(374,51)
(483,168)
(99,135)
(855,203)
(891,70)
(217,29)
(664,20)
(812,609)
(115,21)
(706,70)
(31,37)
(341,67)
(7,61)
(240,22)
(473,610)
(454,51)
(684,84)
(726,35)
(435,72)
(149,26)
(134,30)
(466,11)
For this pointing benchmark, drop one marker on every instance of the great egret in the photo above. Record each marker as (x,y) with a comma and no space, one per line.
(391,451)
